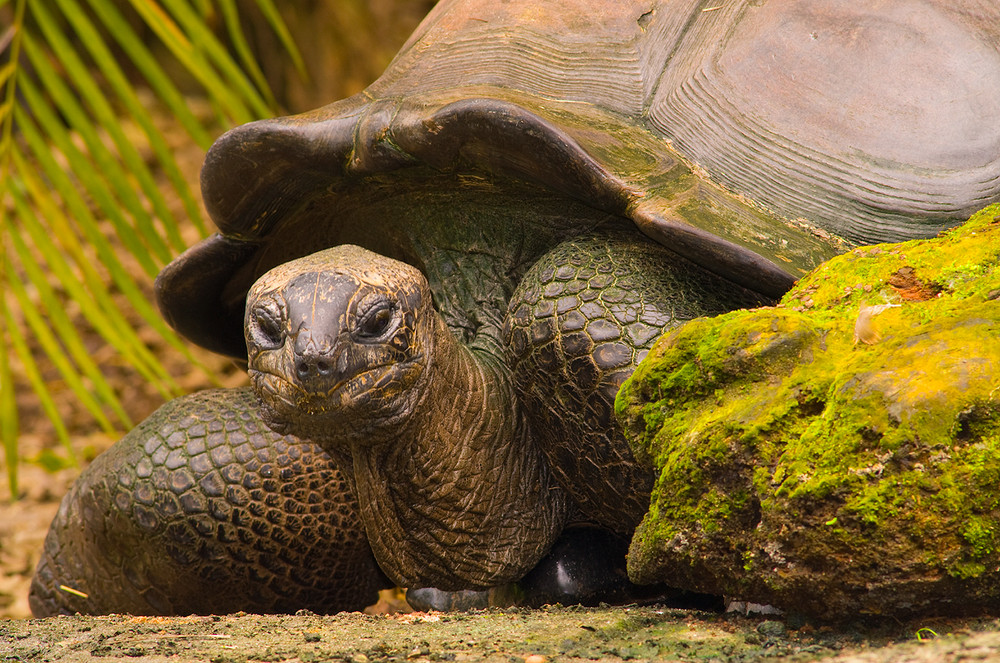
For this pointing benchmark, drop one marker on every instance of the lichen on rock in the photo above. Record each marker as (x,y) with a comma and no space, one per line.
(837,454)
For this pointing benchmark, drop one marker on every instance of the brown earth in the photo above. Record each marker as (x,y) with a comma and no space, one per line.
(533,636)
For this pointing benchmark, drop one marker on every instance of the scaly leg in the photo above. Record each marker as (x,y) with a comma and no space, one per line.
(203,509)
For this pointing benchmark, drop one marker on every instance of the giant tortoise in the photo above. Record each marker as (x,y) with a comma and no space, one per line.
(451,273)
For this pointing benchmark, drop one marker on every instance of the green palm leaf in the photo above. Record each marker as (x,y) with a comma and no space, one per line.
(87,178)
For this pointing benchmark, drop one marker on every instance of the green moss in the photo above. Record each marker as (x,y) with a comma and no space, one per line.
(767,426)
(981,535)
(966,570)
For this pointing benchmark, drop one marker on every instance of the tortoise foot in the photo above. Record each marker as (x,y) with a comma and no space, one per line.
(202,509)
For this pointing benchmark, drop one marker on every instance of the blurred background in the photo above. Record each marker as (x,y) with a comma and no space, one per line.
(106,110)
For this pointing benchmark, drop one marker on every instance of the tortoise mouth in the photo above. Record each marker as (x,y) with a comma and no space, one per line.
(279,402)
(287,408)
(353,410)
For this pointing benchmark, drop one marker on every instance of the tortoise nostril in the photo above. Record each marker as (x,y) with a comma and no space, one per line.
(313,367)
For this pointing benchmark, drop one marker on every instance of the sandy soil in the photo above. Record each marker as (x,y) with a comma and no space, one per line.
(553,634)
(22,529)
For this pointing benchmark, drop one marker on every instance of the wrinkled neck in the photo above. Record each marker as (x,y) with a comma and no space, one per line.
(460,498)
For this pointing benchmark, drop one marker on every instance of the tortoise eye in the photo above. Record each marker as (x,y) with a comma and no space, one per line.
(266,330)
(375,322)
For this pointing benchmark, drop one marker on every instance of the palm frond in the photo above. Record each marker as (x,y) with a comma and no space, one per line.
(92,200)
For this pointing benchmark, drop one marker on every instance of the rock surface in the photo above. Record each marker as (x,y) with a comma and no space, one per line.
(837,454)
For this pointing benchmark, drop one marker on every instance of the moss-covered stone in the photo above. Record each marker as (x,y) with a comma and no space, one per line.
(838,453)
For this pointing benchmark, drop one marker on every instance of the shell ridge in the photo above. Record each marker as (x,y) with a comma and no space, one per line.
(504,136)
(723,257)
(258,173)
(372,147)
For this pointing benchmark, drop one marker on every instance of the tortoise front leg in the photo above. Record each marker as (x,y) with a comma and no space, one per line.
(579,323)
(203,509)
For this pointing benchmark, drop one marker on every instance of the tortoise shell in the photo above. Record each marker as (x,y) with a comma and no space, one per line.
(754,137)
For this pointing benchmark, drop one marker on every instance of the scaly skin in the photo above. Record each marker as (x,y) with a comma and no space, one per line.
(579,323)
(463,499)
(203,509)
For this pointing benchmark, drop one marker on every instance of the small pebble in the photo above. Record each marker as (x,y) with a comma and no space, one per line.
(772,629)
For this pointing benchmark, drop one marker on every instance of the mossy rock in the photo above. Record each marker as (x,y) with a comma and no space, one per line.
(830,466)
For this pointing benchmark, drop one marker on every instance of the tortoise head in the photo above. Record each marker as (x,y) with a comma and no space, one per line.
(339,341)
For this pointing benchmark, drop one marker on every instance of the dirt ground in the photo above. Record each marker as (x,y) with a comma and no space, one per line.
(533,636)
(22,530)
